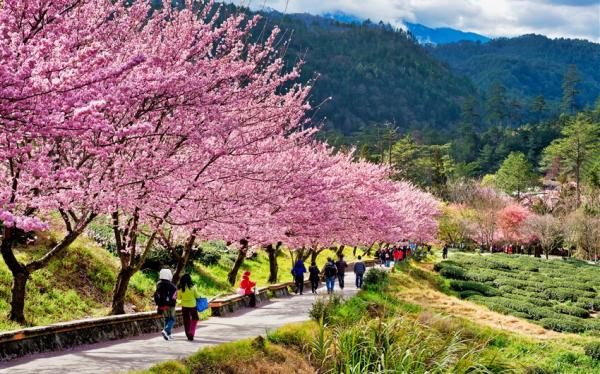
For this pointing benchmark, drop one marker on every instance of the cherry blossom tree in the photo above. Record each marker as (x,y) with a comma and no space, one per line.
(62,62)
(512,223)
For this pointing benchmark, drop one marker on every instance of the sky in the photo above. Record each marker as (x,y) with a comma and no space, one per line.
(494,18)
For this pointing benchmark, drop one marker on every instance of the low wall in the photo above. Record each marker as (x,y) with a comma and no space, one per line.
(63,336)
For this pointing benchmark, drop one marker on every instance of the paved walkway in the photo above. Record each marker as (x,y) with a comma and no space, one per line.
(143,351)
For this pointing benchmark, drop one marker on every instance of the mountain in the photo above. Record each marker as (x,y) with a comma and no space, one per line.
(367,74)
(526,66)
(442,35)
(422,33)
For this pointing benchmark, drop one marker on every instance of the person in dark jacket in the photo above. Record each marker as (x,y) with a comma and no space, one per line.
(382,256)
(445,252)
(341,266)
(377,256)
(359,270)
(165,298)
(330,271)
(298,272)
(314,272)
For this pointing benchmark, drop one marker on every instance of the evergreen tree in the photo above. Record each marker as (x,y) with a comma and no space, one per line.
(578,145)
(515,175)
(539,105)
(514,113)
(570,88)
(496,104)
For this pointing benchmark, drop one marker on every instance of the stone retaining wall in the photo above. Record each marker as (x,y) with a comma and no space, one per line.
(62,336)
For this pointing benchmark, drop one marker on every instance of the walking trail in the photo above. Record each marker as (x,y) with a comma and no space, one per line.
(143,351)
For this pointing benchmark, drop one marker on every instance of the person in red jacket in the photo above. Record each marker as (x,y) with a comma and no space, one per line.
(397,255)
(248,288)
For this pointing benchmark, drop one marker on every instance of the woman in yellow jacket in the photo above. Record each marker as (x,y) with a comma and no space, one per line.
(187,295)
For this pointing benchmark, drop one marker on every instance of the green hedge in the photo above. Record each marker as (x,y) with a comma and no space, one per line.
(571,310)
(563,325)
(593,350)
(559,295)
(459,285)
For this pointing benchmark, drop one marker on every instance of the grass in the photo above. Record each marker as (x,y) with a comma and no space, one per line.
(249,356)
(558,295)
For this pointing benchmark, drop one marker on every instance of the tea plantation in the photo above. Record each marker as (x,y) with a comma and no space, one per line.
(561,295)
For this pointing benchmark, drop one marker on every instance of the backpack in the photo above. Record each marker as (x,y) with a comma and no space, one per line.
(330,270)
(164,294)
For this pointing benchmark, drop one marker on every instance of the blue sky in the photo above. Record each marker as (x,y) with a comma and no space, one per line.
(554,18)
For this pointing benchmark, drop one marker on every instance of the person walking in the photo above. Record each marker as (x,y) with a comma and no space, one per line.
(445,252)
(313,276)
(165,298)
(341,266)
(382,256)
(247,288)
(188,295)
(359,270)
(298,272)
(397,255)
(330,271)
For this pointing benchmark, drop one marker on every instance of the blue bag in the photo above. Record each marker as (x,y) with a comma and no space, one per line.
(201,304)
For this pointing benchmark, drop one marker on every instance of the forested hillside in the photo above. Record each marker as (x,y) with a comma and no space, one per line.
(527,66)
(370,74)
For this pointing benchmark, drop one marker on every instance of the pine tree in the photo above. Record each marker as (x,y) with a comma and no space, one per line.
(496,105)
(570,90)
(515,175)
(578,146)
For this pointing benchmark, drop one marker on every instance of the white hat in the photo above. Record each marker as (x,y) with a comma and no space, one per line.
(165,274)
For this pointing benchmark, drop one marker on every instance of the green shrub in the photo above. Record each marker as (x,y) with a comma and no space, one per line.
(324,308)
(561,294)
(593,350)
(588,303)
(440,265)
(459,285)
(571,310)
(376,279)
(208,256)
(468,293)
(453,272)
(563,324)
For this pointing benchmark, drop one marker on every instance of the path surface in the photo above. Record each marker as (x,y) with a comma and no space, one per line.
(143,351)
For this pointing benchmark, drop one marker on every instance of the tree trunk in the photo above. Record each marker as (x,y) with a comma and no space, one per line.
(232,275)
(184,258)
(340,250)
(17,303)
(577,186)
(20,275)
(118,302)
(354,251)
(313,256)
(273,266)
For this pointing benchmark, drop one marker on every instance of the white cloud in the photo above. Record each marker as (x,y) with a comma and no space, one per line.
(554,18)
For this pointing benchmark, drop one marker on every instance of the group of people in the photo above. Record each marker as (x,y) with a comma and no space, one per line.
(392,255)
(330,272)
(168,294)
